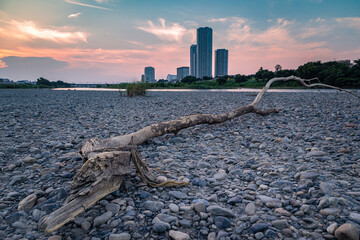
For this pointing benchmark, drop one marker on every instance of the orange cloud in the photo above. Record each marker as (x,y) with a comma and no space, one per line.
(28,30)
(3,64)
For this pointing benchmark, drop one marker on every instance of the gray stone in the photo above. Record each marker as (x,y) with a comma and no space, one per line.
(153,206)
(326,188)
(315,154)
(178,195)
(112,207)
(222,222)
(309,175)
(174,208)
(30,160)
(166,218)
(99,220)
(199,207)
(19,225)
(120,236)
(250,209)
(347,231)
(27,203)
(330,211)
(264,198)
(259,235)
(258,227)
(331,228)
(219,211)
(355,217)
(274,204)
(159,227)
(17,180)
(280,224)
(220,175)
(177,235)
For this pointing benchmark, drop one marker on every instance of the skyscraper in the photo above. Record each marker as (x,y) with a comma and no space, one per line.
(193,60)
(182,72)
(149,74)
(204,52)
(221,62)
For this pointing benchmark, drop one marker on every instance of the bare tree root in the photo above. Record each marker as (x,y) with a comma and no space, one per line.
(107,161)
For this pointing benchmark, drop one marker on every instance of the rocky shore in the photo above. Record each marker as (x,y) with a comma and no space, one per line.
(291,175)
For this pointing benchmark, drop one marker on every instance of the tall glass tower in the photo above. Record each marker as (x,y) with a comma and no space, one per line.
(204,52)
(193,60)
(149,74)
(221,62)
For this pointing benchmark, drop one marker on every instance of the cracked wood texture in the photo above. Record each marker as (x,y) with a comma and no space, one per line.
(98,177)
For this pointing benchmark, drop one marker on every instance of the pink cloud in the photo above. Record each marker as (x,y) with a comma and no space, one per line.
(28,30)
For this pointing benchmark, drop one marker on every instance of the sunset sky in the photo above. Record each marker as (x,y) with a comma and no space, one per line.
(111,41)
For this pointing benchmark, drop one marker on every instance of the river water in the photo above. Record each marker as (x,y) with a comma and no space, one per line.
(200,90)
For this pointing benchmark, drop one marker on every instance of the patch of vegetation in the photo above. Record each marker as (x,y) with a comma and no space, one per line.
(136,89)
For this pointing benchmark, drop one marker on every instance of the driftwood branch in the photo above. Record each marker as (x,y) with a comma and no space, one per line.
(108,160)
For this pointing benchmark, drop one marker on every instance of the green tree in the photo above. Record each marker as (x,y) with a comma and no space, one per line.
(43,81)
(189,79)
(264,75)
(240,78)
(278,68)
(221,80)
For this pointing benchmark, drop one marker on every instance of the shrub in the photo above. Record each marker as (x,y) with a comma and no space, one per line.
(136,89)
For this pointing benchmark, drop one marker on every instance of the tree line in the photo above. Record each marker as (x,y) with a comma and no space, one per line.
(337,73)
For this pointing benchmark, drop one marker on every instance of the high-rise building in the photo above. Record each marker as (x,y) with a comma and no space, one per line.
(182,72)
(142,78)
(204,52)
(149,74)
(221,62)
(193,60)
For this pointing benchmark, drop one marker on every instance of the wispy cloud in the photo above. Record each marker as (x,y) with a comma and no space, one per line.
(217,20)
(75,15)
(352,22)
(88,5)
(28,30)
(174,32)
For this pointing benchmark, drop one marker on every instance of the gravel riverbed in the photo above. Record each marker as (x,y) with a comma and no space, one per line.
(291,175)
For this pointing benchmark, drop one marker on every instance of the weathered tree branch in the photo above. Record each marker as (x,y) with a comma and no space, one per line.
(108,160)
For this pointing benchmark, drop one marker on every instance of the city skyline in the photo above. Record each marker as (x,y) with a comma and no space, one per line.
(108,41)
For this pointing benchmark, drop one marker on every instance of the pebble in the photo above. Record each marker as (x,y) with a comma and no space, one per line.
(120,236)
(103,218)
(347,231)
(355,217)
(27,203)
(250,209)
(280,224)
(291,161)
(331,228)
(177,235)
(258,227)
(219,211)
(153,206)
(222,222)
(178,195)
(174,208)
